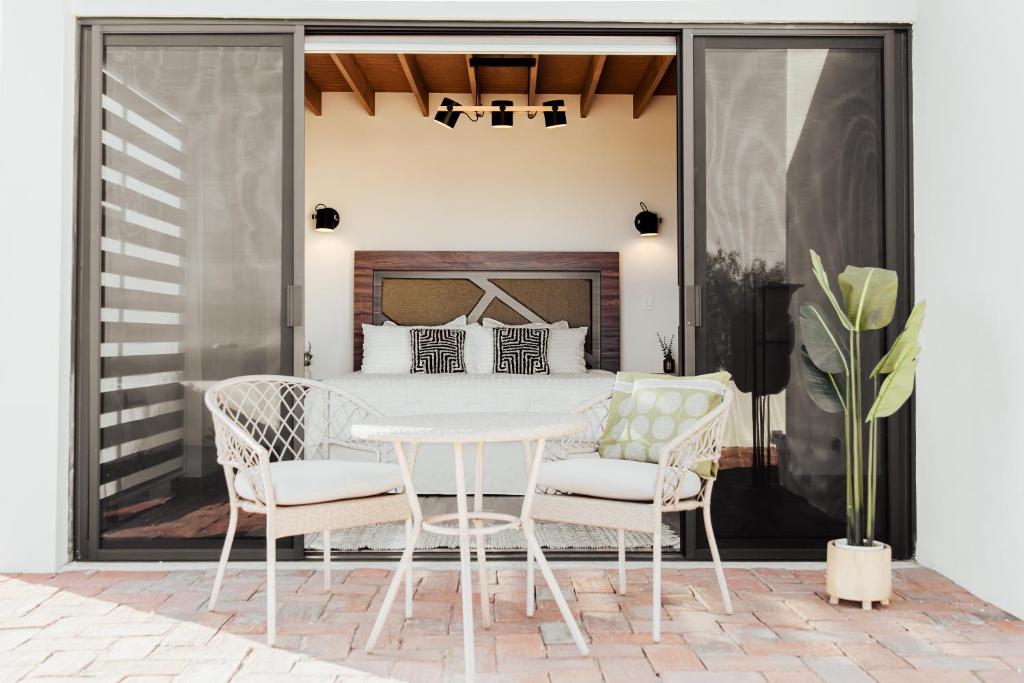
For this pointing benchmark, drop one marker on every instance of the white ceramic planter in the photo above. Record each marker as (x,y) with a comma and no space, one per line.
(859,573)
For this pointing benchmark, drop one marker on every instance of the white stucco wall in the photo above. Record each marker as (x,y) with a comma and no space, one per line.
(968,151)
(967,181)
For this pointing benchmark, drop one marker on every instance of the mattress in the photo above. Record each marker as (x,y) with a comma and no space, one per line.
(504,466)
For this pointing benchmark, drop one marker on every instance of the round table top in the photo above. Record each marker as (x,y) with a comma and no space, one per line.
(469,427)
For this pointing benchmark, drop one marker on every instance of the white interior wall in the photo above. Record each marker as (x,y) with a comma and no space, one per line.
(400,181)
(969,237)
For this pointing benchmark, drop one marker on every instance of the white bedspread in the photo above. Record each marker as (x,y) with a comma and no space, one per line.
(504,470)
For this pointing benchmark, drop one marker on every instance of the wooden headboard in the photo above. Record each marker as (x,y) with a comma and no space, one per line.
(433,287)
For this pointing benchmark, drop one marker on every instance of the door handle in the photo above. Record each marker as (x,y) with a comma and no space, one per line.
(295,305)
(694,305)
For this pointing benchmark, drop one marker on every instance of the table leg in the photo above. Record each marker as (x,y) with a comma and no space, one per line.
(530,591)
(413,449)
(481,539)
(465,561)
(532,544)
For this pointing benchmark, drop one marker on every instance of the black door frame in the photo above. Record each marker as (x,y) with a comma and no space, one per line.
(897,245)
(898,212)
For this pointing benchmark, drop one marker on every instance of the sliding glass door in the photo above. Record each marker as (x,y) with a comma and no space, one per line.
(187,245)
(790,137)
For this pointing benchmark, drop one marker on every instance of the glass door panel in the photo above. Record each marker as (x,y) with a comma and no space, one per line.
(193,257)
(788,157)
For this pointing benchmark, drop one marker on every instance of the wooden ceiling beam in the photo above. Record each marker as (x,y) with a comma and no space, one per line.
(474,83)
(416,83)
(649,83)
(590,83)
(314,98)
(531,87)
(356,79)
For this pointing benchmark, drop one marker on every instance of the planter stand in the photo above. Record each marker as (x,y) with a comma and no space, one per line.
(857,573)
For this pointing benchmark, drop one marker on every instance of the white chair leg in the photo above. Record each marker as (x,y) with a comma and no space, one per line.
(327,560)
(531,597)
(271,589)
(622,561)
(719,571)
(404,567)
(229,538)
(410,542)
(656,580)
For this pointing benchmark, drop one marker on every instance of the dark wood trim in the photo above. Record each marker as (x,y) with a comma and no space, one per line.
(604,262)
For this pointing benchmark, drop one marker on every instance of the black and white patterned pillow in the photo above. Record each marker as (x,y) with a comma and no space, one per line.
(438,350)
(521,351)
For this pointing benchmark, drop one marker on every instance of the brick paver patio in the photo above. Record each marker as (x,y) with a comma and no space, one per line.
(153,626)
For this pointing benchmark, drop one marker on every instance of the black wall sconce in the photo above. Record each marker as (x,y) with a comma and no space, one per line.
(646,222)
(327,219)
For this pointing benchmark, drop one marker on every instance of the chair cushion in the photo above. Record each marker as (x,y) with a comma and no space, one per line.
(612,479)
(302,482)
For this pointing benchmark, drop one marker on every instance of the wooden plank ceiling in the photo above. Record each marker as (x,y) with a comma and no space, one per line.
(588,76)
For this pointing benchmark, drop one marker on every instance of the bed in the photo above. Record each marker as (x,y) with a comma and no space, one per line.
(430,288)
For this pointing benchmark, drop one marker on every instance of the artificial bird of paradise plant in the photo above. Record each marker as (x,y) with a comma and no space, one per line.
(834,377)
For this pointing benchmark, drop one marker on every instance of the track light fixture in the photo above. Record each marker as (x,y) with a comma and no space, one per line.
(501,118)
(501,112)
(555,118)
(446,114)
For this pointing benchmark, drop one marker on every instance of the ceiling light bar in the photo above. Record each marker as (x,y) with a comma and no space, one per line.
(484,108)
(494,45)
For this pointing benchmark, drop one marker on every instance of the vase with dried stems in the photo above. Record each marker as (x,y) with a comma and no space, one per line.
(859,567)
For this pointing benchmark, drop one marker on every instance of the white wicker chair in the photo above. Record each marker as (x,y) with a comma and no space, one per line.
(269,427)
(675,488)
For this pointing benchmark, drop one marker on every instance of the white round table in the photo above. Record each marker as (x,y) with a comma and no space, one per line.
(459,430)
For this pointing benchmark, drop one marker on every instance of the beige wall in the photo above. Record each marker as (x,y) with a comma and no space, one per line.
(402,182)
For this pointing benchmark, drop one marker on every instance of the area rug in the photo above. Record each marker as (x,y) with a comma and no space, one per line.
(554,536)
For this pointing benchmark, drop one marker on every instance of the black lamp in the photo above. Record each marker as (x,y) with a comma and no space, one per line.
(556,117)
(448,117)
(501,118)
(646,222)
(327,219)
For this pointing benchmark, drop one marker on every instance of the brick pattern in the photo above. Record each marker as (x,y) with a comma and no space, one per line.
(154,626)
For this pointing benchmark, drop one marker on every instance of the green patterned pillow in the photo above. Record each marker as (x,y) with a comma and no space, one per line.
(648,410)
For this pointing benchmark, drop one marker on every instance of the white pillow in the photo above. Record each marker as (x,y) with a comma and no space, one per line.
(560,325)
(479,350)
(565,350)
(387,349)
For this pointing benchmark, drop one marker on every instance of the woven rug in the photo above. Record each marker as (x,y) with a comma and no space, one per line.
(554,536)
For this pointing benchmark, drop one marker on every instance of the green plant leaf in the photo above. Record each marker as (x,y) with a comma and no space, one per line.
(827,352)
(906,339)
(898,385)
(822,278)
(825,389)
(869,295)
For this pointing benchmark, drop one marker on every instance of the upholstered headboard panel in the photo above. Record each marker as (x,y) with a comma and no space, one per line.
(433,287)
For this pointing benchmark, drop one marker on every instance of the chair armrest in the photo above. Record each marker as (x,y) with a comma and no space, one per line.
(595,411)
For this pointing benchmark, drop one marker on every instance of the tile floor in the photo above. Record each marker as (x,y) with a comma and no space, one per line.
(154,626)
